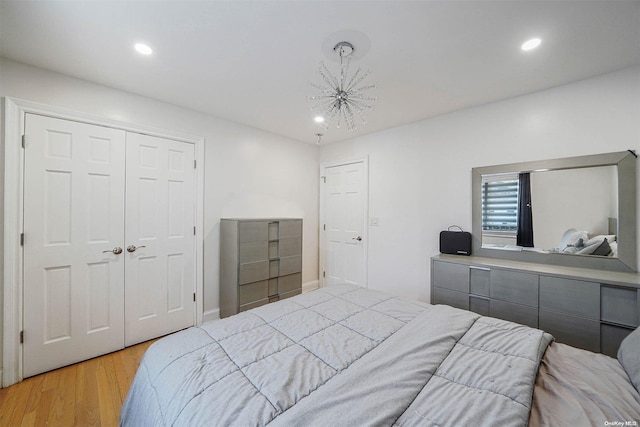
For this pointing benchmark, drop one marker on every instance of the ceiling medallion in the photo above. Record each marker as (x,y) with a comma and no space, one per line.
(342,98)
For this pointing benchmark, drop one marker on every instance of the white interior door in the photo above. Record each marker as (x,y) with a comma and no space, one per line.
(345,215)
(73,217)
(160,218)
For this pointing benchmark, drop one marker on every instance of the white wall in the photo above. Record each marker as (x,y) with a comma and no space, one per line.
(420,174)
(248,172)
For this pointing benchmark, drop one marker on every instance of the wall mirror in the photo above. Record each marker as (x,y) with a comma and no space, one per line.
(575,211)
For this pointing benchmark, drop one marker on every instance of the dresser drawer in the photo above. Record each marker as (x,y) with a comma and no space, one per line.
(274,226)
(611,337)
(290,265)
(289,283)
(573,297)
(620,305)
(448,297)
(517,313)
(479,305)
(253,272)
(479,281)
(253,292)
(290,294)
(253,231)
(514,286)
(575,331)
(290,247)
(253,251)
(451,276)
(273,286)
(290,229)
(274,249)
(274,268)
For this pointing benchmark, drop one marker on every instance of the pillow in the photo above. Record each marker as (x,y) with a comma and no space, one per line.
(599,238)
(573,248)
(572,237)
(588,250)
(629,357)
(603,249)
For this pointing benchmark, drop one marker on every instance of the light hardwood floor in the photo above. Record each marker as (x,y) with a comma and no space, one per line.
(89,393)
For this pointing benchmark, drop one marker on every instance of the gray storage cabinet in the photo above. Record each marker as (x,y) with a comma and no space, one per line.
(260,262)
(590,309)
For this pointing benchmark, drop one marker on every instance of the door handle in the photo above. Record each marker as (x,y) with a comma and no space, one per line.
(117,250)
(132,248)
(359,238)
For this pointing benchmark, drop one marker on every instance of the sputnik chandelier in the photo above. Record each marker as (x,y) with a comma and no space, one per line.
(342,98)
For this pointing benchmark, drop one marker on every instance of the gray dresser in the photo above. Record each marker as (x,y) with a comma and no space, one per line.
(260,262)
(590,309)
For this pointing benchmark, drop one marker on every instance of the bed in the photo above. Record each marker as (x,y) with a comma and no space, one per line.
(347,356)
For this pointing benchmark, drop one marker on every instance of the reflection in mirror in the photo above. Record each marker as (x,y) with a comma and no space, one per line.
(549,211)
(571,210)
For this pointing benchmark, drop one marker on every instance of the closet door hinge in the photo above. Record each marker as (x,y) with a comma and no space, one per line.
(194,164)
(324,227)
(21,239)
(194,230)
(24,139)
(324,274)
(194,296)
(324,179)
(21,337)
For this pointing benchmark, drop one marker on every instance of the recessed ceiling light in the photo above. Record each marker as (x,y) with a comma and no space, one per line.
(143,49)
(531,44)
(318,119)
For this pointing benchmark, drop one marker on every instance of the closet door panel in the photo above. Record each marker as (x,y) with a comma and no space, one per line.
(160,253)
(73,217)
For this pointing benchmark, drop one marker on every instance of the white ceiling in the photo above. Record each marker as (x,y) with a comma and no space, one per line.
(251,61)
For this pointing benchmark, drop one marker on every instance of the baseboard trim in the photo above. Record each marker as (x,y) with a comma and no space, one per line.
(211,315)
(310,286)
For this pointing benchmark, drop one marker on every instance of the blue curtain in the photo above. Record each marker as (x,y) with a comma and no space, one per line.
(525,216)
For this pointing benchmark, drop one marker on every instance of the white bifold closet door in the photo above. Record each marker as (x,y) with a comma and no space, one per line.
(160,218)
(73,212)
(91,192)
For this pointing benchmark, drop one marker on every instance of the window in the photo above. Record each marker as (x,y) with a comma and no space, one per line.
(500,204)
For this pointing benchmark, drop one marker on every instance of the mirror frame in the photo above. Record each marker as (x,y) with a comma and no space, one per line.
(627,248)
